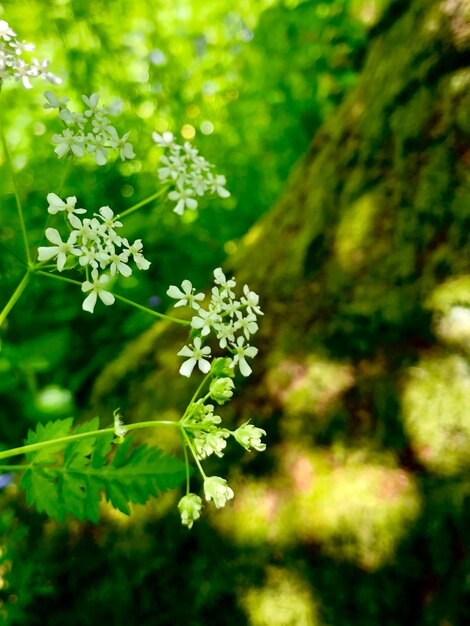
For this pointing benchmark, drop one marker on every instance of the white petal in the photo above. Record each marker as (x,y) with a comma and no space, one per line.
(44,254)
(187,367)
(61,259)
(245,369)
(106,212)
(187,286)
(54,199)
(204,365)
(185,351)
(106,297)
(174,292)
(89,302)
(53,235)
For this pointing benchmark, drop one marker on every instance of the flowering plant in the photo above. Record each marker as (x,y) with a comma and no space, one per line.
(70,467)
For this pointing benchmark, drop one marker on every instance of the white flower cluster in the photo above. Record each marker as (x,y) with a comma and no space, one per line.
(232,321)
(206,436)
(190,172)
(90,132)
(12,65)
(95,243)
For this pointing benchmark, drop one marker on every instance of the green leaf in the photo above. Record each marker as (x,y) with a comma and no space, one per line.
(47,432)
(73,475)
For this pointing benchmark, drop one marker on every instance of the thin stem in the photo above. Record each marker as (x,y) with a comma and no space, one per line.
(195,395)
(186,463)
(14,298)
(18,258)
(188,441)
(151,311)
(62,278)
(14,468)
(17,194)
(142,203)
(66,173)
(32,447)
(125,300)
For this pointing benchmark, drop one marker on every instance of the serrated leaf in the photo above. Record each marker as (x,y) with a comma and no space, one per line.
(73,485)
(48,432)
(43,493)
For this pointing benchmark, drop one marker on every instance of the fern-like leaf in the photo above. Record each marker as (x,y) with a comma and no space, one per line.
(68,478)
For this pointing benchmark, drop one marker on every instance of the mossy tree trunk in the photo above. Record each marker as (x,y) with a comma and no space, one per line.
(361,267)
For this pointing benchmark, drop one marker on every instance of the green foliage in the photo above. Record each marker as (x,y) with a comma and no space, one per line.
(68,477)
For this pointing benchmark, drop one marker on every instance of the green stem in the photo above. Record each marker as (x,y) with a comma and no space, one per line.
(14,298)
(186,462)
(195,395)
(14,468)
(142,203)
(18,258)
(33,447)
(190,446)
(122,299)
(17,194)
(151,311)
(62,278)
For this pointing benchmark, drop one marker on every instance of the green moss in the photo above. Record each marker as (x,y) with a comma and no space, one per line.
(436,413)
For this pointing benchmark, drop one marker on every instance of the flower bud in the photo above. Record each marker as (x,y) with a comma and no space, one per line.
(190,509)
(222,367)
(221,390)
(216,489)
(249,436)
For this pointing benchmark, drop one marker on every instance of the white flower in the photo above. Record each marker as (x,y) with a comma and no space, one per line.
(90,132)
(205,320)
(97,289)
(221,280)
(217,186)
(247,324)
(186,296)
(216,489)
(190,509)
(241,352)
(165,140)
(189,171)
(214,442)
(68,142)
(57,205)
(251,301)
(183,199)
(6,33)
(12,65)
(249,436)
(60,250)
(195,356)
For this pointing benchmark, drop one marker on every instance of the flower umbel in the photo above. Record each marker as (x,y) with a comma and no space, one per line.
(91,132)
(13,64)
(189,172)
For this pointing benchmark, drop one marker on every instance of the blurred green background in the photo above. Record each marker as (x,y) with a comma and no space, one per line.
(358,512)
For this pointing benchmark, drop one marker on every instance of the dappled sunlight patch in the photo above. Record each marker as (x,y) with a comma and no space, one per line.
(451,304)
(436,412)
(357,508)
(259,514)
(309,388)
(284,600)
(354,232)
